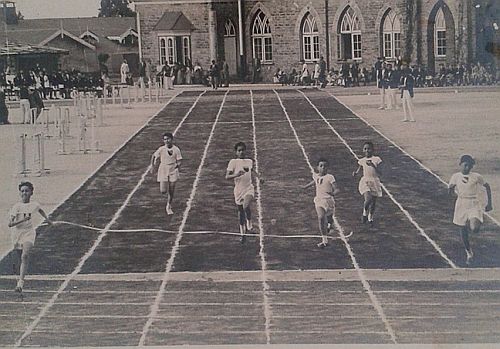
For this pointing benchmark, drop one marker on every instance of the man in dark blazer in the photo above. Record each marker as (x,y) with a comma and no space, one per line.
(407,84)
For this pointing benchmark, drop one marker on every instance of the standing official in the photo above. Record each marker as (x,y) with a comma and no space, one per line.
(407,83)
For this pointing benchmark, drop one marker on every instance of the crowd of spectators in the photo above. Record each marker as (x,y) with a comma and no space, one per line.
(351,75)
(56,85)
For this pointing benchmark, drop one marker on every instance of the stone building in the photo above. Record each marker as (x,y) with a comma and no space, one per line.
(284,32)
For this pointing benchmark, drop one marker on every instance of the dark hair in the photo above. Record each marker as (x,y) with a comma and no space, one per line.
(468,159)
(26,184)
(240,144)
(322,160)
(370,143)
(169,135)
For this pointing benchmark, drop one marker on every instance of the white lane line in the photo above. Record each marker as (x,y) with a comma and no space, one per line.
(366,285)
(493,219)
(89,253)
(175,248)
(268,311)
(405,212)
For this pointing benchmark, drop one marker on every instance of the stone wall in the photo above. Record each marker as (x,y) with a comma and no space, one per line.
(286,18)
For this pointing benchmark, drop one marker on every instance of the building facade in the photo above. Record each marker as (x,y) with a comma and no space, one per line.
(281,33)
(84,39)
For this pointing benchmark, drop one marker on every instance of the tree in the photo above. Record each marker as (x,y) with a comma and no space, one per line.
(115,8)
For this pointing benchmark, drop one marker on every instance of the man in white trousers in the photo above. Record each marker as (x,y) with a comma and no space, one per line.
(407,83)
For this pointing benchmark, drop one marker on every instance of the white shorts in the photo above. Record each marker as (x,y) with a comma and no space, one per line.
(370,184)
(328,204)
(167,173)
(18,238)
(466,209)
(239,196)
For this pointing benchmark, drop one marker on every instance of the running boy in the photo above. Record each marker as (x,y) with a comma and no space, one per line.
(168,171)
(326,188)
(468,207)
(241,170)
(23,233)
(369,185)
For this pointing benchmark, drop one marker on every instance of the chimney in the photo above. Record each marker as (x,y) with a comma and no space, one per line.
(8,12)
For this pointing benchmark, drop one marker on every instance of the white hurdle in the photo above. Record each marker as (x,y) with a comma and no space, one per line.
(82,136)
(62,126)
(22,163)
(46,121)
(39,154)
(38,148)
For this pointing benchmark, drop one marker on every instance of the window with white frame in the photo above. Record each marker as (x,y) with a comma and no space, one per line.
(186,47)
(440,34)
(310,38)
(174,49)
(229,29)
(262,39)
(391,35)
(162,43)
(349,37)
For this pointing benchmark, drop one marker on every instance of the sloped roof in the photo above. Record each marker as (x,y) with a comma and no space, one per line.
(13,48)
(62,33)
(174,21)
(36,31)
(101,26)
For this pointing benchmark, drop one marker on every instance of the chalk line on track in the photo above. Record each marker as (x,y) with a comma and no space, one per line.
(170,263)
(268,311)
(366,285)
(103,233)
(493,219)
(402,209)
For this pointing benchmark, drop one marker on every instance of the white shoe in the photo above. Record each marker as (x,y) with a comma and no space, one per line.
(470,255)
(19,286)
(169,210)
(249,225)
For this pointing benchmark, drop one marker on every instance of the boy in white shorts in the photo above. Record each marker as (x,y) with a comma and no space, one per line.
(168,172)
(369,185)
(22,231)
(468,208)
(326,188)
(240,169)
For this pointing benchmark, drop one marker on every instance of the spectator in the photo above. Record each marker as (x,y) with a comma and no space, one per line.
(124,70)
(225,73)
(256,67)
(304,76)
(36,101)
(322,71)
(214,74)
(4,111)
(142,74)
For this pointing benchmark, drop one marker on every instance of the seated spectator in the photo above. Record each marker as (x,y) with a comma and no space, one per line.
(129,80)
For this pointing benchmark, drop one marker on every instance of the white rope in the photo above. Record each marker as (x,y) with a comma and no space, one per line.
(200,232)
